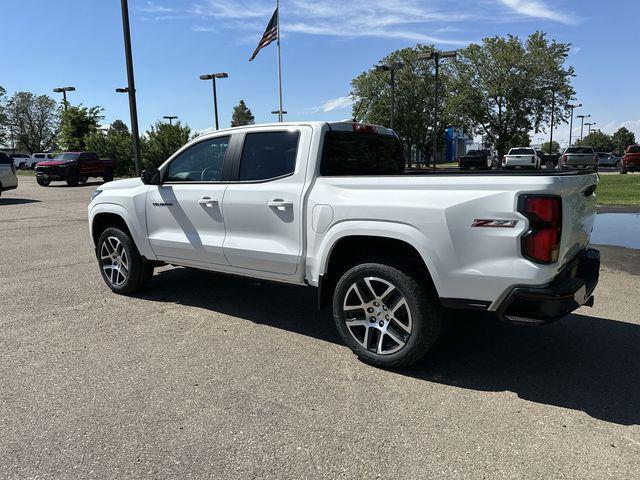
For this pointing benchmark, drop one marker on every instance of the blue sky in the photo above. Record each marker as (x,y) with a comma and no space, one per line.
(325,44)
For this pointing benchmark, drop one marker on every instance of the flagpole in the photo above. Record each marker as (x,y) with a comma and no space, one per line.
(279,64)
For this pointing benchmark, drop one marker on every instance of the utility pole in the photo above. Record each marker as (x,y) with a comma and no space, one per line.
(212,77)
(64,91)
(582,117)
(436,55)
(578,105)
(131,88)
(391,67)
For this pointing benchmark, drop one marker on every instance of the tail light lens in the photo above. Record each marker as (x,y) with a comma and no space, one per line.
(564,158)
(541,243)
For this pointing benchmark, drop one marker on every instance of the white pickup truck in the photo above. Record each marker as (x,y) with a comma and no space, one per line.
(330,206)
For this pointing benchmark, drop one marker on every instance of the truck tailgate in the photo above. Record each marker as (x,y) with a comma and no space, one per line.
(578,214)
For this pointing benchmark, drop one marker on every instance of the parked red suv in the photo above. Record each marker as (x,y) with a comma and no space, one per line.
(631,160)
(74,168)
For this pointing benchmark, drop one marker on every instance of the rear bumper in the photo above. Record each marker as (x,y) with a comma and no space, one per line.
(570,289)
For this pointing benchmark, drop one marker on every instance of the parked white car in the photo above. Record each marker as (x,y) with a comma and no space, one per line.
(521,157)
(19,159)
(8,178)
(37,158)
(330,206)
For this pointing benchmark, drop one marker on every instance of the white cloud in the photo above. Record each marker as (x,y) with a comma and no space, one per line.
(202,28)
(331,105)
(538,9)
(154,8)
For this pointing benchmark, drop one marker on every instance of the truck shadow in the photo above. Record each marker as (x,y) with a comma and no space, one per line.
(583,362)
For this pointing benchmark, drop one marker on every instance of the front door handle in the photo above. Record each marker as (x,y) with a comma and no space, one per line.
(280,204)
(208,202)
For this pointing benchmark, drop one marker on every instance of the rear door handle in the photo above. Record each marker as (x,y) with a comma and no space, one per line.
(208,202)
(280,204)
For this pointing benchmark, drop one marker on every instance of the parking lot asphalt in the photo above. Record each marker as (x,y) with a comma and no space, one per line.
(206,376)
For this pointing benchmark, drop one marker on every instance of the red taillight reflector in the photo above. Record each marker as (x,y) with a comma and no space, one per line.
(364,128)
(541,243)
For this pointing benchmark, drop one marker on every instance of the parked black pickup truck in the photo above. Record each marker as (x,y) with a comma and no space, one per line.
(74,168)
(550,161)
(479,159)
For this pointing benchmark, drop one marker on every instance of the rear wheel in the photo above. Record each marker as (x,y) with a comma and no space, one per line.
(108,176)
(73,178)
(122,267)
(82,180)
(387,317)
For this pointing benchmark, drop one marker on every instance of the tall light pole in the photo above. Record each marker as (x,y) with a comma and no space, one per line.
(170,118)
(577,105)
(391,67)
(436,55)
(589,124)
(582,117)
(212,77)
(131,85)
(63,91)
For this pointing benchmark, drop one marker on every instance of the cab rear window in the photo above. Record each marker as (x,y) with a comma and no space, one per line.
(355,153)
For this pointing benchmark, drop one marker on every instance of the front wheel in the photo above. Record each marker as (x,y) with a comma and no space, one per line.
(73,178)
(387,317)
(108,176)
(43,182)
(122,267)
(82,180)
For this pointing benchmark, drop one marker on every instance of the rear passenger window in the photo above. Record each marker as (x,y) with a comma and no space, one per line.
(268,155)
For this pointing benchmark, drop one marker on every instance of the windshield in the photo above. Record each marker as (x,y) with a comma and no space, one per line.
(521,151)
(66,157)
(579,150)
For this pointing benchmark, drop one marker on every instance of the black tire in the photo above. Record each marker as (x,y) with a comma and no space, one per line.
(422,306)
(108,176)
(139,270)
(623,170)
(73,178)
(43,182)
(82,180)
(550,165)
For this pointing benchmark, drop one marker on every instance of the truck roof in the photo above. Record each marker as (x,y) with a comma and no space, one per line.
(341,125)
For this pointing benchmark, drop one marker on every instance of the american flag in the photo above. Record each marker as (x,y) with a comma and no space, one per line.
(270,34)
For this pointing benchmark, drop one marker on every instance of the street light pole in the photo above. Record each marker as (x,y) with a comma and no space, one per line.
(436,55)
(170,118)
(279,114)
(589,124)
(212,77)
(553,106)
(582,117)
(131,88)
(571,122)
(391,67)
(64,91)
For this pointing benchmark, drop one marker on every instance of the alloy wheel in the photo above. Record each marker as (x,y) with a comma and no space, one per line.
(377,315)
(115,262)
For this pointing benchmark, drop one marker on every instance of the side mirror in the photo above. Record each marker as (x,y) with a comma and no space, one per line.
(150,177)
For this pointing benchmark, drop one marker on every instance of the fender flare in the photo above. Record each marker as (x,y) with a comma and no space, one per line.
(373,228)
(137,231)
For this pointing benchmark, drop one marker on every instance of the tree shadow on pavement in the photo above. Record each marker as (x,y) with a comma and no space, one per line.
(583,363)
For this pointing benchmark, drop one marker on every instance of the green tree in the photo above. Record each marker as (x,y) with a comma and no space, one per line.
(35,120)
(76,124)
(242,115)
(600,141)
(504,87)
(621,139)
(555,147)
(162,141)
(414,97)
(116,143)
(4,118)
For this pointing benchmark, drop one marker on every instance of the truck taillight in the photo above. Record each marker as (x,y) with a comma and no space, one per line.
(564,158)
(541,243)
